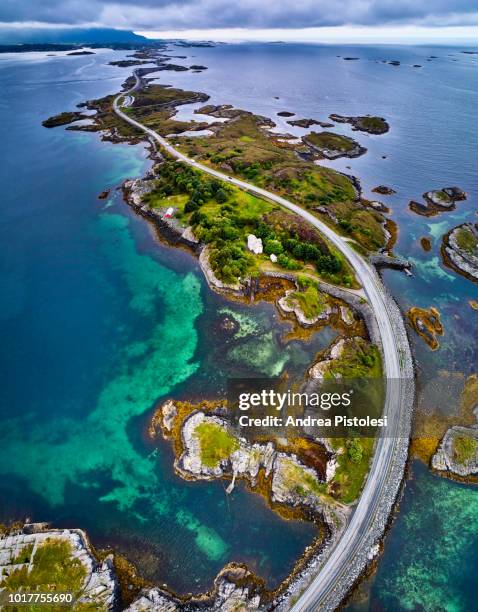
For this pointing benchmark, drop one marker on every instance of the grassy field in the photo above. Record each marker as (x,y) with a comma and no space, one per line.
(216,443)
(53,570)
(329,140)
(464,448)
(311,301)
(353,466)
(467,240)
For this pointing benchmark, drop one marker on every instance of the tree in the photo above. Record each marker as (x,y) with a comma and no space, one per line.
(221,196)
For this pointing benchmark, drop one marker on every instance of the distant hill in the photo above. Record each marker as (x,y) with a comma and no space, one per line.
(73,36)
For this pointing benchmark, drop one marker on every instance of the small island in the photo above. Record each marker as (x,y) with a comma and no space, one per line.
(427,324)
(458,452)
(333,146)
(306,123)
(384,190)
(438,201)
(460,250)
(364,123)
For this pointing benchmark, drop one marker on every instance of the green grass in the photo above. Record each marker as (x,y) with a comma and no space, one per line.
(441,195)
(464,448)
(311,301)
(54,569)
(351,474)
(376,124)
(300,481)
(329,140)
(216,443)
(467,240)
(24,555)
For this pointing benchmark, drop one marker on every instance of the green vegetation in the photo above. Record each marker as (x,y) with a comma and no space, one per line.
(442,195)
(154,106)
(300,481)
(311,301)
(242,148)
(467,240)
(464,448)
(24,555)
(331,141)
(376,125)
(216,443)
(62,119)
(222,216)
(359,359)
(53,569)
(353,466)
(365,226)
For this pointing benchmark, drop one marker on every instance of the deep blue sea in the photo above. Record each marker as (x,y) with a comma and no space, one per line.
(99,320)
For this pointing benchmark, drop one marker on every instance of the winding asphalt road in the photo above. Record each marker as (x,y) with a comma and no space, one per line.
(356,535)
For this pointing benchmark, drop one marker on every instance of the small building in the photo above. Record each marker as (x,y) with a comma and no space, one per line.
(254,244)
(169,213)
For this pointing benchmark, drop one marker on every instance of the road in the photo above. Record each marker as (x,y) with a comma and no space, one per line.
(356,534)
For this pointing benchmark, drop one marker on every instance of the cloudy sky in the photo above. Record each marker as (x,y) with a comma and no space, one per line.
(263,19)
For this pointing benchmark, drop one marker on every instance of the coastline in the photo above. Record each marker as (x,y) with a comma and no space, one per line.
(171,233)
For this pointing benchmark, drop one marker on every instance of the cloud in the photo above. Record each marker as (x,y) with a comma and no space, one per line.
(211,14)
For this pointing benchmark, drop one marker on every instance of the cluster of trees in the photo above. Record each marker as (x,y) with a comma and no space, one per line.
(287,246)
(176,177)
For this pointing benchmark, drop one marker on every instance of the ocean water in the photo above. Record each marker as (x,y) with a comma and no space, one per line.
(100,320)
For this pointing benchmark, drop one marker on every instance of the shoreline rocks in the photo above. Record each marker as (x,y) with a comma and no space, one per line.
(306,123)
(458,452)
(100,584)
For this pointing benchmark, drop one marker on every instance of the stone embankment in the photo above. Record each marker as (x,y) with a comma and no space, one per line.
(361,558)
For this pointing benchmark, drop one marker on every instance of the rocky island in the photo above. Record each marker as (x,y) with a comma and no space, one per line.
(427,324)
(333,146)
(364,123)
(460,250)
(438,201)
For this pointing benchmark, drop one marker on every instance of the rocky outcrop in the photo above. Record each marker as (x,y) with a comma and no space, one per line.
(320,369)
(288,305)
(306,123)
(100,584)
(384,190)
(332,146)
(458,452)
(438,201)
(235,589)
(363,123)
(460,250)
